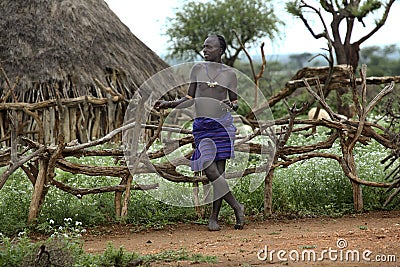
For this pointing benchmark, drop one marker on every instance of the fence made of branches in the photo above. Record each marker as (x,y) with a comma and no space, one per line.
(25,147)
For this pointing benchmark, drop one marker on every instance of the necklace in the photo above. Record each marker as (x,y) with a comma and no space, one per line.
(212,82)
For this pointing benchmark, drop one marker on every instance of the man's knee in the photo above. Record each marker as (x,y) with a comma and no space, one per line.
(212,172)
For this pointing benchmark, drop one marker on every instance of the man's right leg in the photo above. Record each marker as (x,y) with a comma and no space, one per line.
(222,191)
(217,203)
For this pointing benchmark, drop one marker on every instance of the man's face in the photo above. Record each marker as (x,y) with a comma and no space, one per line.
(211,49)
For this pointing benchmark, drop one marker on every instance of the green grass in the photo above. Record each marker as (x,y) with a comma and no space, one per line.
(65,249)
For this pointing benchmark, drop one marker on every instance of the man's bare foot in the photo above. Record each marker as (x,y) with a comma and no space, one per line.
(213,225)
(239,213)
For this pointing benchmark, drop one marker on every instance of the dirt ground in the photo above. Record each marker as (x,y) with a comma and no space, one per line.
(367,239)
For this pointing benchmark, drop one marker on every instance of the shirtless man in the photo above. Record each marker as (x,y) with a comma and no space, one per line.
(213,91)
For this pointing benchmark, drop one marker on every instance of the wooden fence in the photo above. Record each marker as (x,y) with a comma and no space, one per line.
(62,128)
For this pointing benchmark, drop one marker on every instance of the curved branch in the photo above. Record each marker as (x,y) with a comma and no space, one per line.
(309,28)
(290,161)
(13,167)
(378,25)
(80,192)
(357,180)
(247,54)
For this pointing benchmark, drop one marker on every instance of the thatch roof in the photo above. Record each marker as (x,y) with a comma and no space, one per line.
(68,43)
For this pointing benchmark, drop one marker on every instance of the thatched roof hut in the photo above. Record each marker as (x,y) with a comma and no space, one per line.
(71,42)
(56,49)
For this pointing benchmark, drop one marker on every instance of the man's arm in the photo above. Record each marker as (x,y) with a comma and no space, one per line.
(232,101)
(183,102)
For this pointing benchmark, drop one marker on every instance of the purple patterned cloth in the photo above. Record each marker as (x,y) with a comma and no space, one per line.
(214,139)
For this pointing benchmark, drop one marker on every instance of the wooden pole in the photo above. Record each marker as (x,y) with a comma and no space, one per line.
(38,191)
(118,199)
(268,193)
(357,196)
(134,149)
(73,123)
(14,135)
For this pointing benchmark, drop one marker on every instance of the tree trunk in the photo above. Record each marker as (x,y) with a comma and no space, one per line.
(346,54)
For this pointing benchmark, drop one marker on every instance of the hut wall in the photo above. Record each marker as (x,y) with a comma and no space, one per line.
(81,122)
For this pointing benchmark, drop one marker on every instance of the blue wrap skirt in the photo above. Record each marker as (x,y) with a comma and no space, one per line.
(214,140)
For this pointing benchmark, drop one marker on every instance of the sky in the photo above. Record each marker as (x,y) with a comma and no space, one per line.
(147,20)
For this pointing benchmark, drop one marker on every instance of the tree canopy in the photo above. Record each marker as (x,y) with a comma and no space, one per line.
(340,34)
(251,19)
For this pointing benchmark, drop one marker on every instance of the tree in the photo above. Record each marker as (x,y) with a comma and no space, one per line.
(349,12)
(381,61)
(300,59)
(251,19)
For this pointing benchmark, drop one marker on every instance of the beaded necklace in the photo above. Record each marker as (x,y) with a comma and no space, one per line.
(212,82)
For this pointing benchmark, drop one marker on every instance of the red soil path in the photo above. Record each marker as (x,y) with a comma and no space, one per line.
(377,232)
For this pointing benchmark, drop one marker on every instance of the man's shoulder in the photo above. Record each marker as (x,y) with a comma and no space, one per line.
(198,66)
(202,66)
(229,70)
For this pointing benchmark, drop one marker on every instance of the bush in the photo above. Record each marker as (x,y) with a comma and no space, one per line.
(66,250)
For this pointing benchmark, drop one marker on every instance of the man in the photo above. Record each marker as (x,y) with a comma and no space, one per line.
(213,91)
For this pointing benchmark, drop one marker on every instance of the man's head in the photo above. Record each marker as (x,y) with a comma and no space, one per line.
(214,47)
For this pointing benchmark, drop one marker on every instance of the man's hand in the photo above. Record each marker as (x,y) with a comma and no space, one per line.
(161,104)
(228,105)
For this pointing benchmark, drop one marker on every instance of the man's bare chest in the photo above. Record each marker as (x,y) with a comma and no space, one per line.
(217,92)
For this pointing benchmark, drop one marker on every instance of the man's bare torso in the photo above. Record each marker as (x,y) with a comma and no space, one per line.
(213,82)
